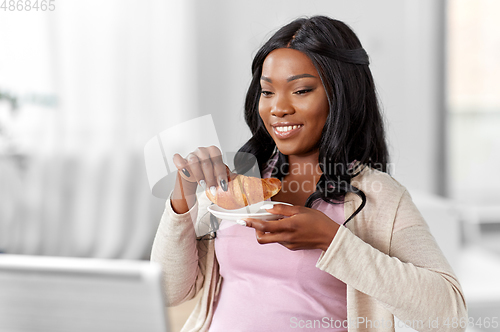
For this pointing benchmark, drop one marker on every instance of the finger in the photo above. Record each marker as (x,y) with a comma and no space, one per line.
(195,169)
(254,223)
(285,210)
(271,226)
(182,165)
(207,167)
(220,169)
(265,238)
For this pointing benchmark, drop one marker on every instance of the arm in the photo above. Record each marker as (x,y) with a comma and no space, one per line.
(182,257)
(414,281)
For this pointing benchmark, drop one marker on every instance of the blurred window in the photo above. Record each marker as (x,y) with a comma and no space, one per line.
(473,97)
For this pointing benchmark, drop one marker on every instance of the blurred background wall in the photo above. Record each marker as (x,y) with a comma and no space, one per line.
(83,88)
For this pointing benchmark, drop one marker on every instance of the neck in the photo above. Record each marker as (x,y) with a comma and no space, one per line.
(304,164)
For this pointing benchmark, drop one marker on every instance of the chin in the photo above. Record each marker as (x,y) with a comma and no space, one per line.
(293,151)
(288,151)
(283,149)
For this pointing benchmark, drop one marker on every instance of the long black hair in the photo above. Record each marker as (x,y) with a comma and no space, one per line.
(354,129)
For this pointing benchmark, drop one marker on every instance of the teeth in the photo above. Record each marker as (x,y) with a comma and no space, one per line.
(287,128)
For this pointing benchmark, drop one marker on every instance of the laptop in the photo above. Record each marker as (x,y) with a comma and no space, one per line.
(58,294)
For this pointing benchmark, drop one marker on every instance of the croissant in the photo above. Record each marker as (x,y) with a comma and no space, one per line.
(244,190)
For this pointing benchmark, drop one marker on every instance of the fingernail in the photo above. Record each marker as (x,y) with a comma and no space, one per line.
(241,222)
(213,190)
(203,184)
(186,173)
(223,184)
(266,206)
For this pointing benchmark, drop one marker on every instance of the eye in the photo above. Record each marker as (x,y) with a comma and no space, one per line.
(303,91)
(266,93)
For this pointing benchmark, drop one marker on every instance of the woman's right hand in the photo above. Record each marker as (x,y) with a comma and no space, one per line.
(203,166)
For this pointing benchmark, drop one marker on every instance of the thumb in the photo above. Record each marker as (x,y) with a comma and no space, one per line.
(250,222)
(283,209)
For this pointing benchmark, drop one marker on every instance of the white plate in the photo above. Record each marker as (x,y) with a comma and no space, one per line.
(251,211)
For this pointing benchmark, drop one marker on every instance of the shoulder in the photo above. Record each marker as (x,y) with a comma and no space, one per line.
(387,201)
(383,195)
(378,185)
(375,222)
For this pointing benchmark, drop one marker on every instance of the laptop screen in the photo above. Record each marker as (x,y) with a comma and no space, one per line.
(53,294)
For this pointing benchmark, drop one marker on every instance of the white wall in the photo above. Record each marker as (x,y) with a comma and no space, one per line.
(400,37)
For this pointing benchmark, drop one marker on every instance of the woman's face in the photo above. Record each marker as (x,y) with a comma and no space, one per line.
(293,103)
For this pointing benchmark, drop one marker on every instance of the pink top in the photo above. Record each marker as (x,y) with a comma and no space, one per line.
(271,288)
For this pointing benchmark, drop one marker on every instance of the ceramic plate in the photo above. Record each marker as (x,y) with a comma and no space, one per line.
(251,211)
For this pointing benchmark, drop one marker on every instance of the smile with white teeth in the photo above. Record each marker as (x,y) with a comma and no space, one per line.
(284,129)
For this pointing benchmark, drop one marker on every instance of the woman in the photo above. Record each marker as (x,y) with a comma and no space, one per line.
(352,252)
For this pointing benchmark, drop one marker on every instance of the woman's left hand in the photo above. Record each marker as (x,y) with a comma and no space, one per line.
(302,228)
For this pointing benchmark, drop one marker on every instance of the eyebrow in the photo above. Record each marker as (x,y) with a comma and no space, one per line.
(291,78)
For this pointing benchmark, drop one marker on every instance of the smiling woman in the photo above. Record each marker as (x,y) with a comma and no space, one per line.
(352,251)
(294,108)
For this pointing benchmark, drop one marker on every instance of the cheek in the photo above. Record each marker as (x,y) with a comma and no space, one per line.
(320,113)
(263,113)
(323,111)
(263,104)
(263,117)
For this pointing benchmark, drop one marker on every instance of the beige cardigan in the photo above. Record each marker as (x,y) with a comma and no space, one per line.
(386,256)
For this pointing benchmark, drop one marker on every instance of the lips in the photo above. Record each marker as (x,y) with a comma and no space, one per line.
(285,130)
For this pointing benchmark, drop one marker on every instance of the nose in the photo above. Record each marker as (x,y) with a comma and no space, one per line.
(281,106)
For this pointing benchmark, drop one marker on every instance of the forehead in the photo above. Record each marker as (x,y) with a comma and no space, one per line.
(286,62)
